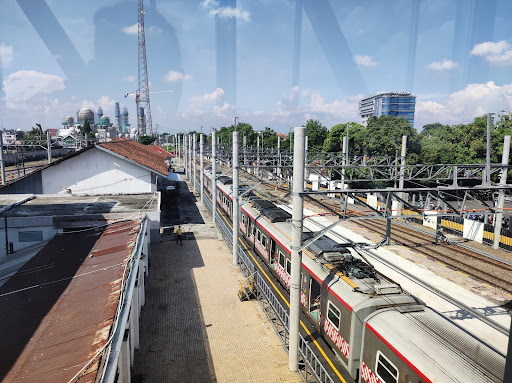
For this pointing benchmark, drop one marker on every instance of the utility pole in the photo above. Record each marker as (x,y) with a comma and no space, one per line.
(501,196)
(236,202)
(2,163)
(49,140)
(194,143)
(201,163)
(296,255)
(214,175)
(488,151)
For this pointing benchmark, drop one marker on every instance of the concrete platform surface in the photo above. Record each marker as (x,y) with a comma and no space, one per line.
(193,326)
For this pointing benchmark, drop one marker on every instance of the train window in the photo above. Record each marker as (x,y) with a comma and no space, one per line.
(288,267)
(386,371)
(254,230)
(258,236)
(281,259)
(333,314)
(243,219)
(272,247)
(264,241)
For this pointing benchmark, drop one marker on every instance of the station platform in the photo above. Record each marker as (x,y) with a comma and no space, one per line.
(193,326)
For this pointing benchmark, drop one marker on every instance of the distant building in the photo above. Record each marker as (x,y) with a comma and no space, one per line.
(398,104)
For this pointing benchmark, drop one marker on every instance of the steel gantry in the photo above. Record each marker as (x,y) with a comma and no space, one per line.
(270,166)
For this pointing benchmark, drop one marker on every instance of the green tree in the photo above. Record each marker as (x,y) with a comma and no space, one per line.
(146,140)
(384,137)
(357,138)
(316,133)
(269,138)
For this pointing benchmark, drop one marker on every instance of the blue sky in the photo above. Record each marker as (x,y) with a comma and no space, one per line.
(460,65)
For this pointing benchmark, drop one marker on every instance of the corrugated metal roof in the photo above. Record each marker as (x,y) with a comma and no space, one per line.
(139,153)
(64,315)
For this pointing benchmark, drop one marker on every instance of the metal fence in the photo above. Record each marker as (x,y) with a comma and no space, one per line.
(453,225)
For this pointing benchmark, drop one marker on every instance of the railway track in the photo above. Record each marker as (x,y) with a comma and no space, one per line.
(486,269)
(479,266)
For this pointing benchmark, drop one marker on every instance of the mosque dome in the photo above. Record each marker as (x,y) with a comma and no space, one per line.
(69,120)
(105,120)
(86,112)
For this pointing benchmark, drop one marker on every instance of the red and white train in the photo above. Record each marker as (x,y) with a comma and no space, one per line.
(380,333)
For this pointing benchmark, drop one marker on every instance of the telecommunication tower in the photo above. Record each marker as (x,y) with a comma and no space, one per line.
(142,96)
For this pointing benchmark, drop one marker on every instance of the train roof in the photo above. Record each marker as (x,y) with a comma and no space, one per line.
(436,347)
(336,266)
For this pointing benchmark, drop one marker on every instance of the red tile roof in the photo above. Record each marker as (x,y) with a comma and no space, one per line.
(57,311)
(142,154)
(161,151)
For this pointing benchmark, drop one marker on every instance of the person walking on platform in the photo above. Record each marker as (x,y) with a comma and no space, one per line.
(178,235)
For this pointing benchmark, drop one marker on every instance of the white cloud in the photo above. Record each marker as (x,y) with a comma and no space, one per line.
(154,29)
(210,3)
(463,106)
(6,55)
(364,61)
(132,29)
(224,111)
(216,95)
(345,109)
(226,12)
(499,53)
(22,85)
(88,104)
(107,104)
(129,78)
(443,65)
(173,76)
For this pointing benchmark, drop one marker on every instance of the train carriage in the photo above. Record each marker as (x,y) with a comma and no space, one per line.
(343,298)
(434,350)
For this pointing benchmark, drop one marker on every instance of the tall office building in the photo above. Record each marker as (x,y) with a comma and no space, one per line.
(398,104)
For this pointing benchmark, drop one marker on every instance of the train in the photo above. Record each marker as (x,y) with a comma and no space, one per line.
(379,332)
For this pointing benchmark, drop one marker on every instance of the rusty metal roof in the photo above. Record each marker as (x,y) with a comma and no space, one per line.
(57,311)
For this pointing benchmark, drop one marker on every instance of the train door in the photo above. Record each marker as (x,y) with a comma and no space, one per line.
(273,252)
(314,299)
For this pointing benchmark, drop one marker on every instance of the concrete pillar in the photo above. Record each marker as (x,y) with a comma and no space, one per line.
(124,360)
(214,175)
(245,152)
(236,182)
(343,162)
(49,140)
(134,320)
(501,195)
(2,163)
(296,256)
(402,173)
(194,171)
(201,164)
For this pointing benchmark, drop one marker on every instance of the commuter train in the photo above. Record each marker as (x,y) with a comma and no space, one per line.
(379,332)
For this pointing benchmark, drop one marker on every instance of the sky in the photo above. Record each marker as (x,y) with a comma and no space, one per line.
(271,63)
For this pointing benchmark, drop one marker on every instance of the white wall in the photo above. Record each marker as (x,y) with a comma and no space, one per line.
(95,172)
(15,225)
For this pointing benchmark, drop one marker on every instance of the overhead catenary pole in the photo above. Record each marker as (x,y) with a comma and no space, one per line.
(49,139)
(185,169)
(194,159)
(2,163)
(501,195)
(201,164)
(190,164)
(245,152)
(236,202)
(344,163)
(296,256)
(488,151)
(214,175)
(402,172)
